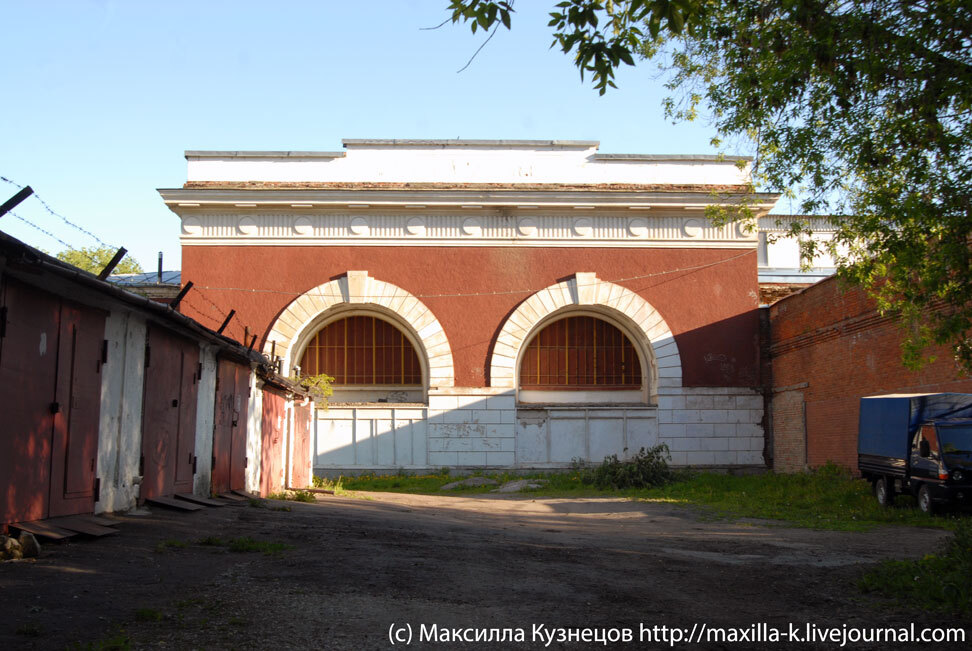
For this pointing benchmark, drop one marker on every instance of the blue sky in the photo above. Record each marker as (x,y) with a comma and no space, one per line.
(102,97)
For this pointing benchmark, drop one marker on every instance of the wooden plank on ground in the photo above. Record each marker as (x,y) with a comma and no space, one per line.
(74,523)
(97,519)
(45,529)
(195,499)
(181,505)
(232,497)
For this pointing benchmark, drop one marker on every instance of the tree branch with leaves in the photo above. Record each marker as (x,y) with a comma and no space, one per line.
(860,110)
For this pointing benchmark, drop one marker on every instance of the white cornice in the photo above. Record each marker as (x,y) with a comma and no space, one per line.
(179,199)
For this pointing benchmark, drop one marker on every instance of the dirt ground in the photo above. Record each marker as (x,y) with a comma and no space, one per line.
(355,567)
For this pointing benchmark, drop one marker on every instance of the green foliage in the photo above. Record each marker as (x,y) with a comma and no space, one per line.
(646,469)
(935,582)
(96,258)
(858,109)
(319,386)
(604,34)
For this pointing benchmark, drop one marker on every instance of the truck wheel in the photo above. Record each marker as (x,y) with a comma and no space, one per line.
(925,502)
(883,492)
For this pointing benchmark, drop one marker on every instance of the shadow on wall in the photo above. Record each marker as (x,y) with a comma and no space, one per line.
(712,355)
(478,431)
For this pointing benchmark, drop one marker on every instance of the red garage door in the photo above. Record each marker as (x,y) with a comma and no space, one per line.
(274,435)
(300,463)
(229,432)
(169,414)
(50,371)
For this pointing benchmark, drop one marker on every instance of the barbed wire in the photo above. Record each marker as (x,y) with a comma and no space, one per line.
(55,237)
(210,301)
(67,221)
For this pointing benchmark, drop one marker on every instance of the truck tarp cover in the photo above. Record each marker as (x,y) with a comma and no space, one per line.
(904,414)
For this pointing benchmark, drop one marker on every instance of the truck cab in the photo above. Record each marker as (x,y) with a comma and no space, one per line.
(919,444)
(941,461)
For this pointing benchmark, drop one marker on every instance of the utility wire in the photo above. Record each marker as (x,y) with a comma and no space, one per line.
(497,293)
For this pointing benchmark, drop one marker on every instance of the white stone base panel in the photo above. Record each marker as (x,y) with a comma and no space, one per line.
(484,428)
(706,426)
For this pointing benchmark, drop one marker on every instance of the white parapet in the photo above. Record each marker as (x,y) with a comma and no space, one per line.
(465,161)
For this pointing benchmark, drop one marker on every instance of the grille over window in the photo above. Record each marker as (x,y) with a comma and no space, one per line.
(362,350)
(580,352)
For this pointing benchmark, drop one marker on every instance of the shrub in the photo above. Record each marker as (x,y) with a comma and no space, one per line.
(646,469)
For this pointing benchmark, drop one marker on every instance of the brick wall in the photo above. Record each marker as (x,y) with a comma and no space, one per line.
(789,432)
(829,344)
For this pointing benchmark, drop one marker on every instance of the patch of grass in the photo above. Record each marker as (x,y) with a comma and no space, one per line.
(148,615)
(30,629)
(116,642)
(827,498)
(211,541)
(337,486)
(302,496)
(559,484)
(293,496)
(246,544)
(937,582)
(565,484)
(170,544)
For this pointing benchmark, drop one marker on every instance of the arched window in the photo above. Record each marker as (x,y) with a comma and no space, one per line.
(580,353)
(363,351)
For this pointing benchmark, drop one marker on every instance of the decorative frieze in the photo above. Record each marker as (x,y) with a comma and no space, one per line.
(233,228)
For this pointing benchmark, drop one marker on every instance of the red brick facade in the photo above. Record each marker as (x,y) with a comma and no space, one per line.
(710,306)
(830,347)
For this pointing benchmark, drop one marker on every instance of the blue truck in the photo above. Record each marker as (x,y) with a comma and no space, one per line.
(917,443)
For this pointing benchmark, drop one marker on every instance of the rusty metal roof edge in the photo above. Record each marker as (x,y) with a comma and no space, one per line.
(200,153)
(459,142)
(273,378)
(658,158)
(166,313)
